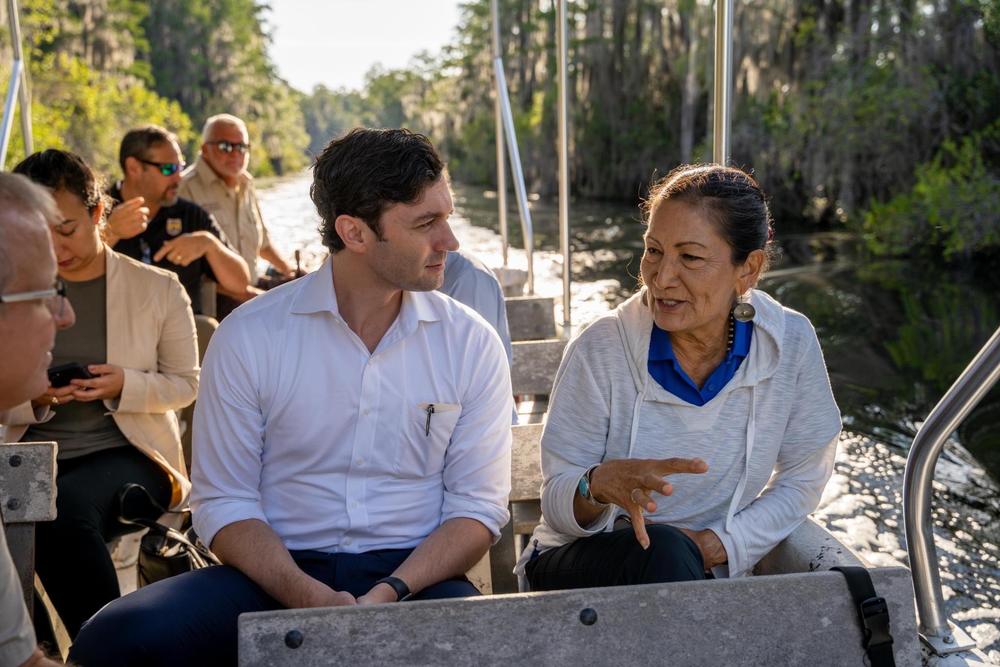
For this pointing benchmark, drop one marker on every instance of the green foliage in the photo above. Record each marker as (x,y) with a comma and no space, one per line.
(101,67)
(75,108)
(951,210)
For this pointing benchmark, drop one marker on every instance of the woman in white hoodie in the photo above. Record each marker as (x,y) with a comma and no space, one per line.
(698,375)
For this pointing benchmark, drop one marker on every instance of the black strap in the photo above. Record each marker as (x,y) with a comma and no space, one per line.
(873,612)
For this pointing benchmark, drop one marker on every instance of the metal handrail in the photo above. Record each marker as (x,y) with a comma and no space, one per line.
(18,90)
(507,117)
(970,387)
(723,80)
(562,88)
(501,155)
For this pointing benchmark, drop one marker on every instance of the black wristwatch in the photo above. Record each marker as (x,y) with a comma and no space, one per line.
(398,585)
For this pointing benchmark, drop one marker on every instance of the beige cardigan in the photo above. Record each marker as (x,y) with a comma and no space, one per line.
(151,335)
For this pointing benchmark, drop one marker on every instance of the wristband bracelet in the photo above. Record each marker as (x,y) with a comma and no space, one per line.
(398,585)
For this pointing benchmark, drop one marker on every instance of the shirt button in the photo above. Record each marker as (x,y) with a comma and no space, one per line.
(360,462)
(354,504)
(365,412)
(347,541)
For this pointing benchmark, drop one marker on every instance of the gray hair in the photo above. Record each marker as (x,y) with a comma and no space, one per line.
(222,119)
(23,205)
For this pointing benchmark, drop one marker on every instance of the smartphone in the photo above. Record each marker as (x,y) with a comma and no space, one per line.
(59,376)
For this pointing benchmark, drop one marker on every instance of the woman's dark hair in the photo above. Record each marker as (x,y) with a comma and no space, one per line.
(367,170)
(62,170)
(730,197)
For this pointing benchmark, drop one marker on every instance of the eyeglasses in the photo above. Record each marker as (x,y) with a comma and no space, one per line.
(54,298)
(166,168)
(229,147)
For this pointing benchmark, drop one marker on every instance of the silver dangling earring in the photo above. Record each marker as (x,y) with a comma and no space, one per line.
(743,311)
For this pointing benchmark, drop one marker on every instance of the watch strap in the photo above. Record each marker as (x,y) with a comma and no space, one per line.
(583,488)
(398,585)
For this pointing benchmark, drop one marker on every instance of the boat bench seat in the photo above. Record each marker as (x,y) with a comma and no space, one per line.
(793,619)
(531,317)
(534,365)
(27,496)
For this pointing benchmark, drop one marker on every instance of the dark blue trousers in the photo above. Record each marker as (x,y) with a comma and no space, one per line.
(615,558)
(190,619)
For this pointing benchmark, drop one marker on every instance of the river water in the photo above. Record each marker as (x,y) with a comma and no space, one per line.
(895,336)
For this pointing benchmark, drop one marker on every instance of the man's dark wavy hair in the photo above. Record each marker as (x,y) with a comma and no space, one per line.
(367,170)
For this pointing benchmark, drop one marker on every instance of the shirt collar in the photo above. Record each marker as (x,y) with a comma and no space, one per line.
(318,295)
(660,348)
(204,172)
(742,332)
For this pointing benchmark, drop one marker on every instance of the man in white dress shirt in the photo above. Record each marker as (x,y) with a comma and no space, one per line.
(352,435)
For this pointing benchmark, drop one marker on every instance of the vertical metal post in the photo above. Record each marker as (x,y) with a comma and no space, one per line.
(501,155)
(723,80)
(970,387)
(507,115)
(9,107)
(18,90)
(561,47)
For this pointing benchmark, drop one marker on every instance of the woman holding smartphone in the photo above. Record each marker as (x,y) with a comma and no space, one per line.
(130,361)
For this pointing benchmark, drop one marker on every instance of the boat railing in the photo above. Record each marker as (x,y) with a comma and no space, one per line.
(17,90)
(722,93)
(970,387)
(505,118)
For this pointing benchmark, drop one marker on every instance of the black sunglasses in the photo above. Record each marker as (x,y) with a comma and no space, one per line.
(229,147)
(166,168)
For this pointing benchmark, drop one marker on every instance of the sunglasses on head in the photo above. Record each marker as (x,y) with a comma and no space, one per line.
(229,147)
(166,168)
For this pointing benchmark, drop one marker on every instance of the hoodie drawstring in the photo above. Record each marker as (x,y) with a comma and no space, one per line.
(742,485)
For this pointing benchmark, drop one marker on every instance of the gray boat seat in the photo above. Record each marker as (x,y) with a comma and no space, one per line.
(793,619)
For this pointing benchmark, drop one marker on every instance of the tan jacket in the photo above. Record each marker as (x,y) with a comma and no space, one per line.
(151,335)
(235,209)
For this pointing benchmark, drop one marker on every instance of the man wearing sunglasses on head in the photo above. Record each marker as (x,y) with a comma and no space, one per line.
(152,224)
(218,181)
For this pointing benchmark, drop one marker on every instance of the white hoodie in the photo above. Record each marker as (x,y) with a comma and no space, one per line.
(769,437)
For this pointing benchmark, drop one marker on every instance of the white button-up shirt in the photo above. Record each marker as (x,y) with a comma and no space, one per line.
(339,450)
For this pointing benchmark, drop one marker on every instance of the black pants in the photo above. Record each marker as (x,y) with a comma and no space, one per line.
(616,559)
(72,557)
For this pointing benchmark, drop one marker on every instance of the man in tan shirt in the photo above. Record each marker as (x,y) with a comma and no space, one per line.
(218,182)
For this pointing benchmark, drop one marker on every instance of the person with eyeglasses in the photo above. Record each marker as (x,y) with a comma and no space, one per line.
(114,421)
(174,233)
(219,182)
(31,311)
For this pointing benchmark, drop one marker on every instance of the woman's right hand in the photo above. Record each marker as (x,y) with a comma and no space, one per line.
(54,396)
(628,484)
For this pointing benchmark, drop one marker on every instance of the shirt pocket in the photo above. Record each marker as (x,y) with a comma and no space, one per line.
(426,432)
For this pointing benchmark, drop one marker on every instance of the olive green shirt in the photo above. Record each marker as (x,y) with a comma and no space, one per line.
(82,427)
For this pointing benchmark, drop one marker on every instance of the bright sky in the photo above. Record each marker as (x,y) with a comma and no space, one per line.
(334,42)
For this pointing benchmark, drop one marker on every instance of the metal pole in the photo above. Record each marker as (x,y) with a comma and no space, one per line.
(723,80)
(970,387)
(518,174)
(10,104)
(501,157)
(18,88)
(561,47)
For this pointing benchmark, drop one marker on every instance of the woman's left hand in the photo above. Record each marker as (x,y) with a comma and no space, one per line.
(106,384)
(712,550)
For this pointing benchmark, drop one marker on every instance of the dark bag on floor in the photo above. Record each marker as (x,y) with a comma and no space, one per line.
(164,551)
